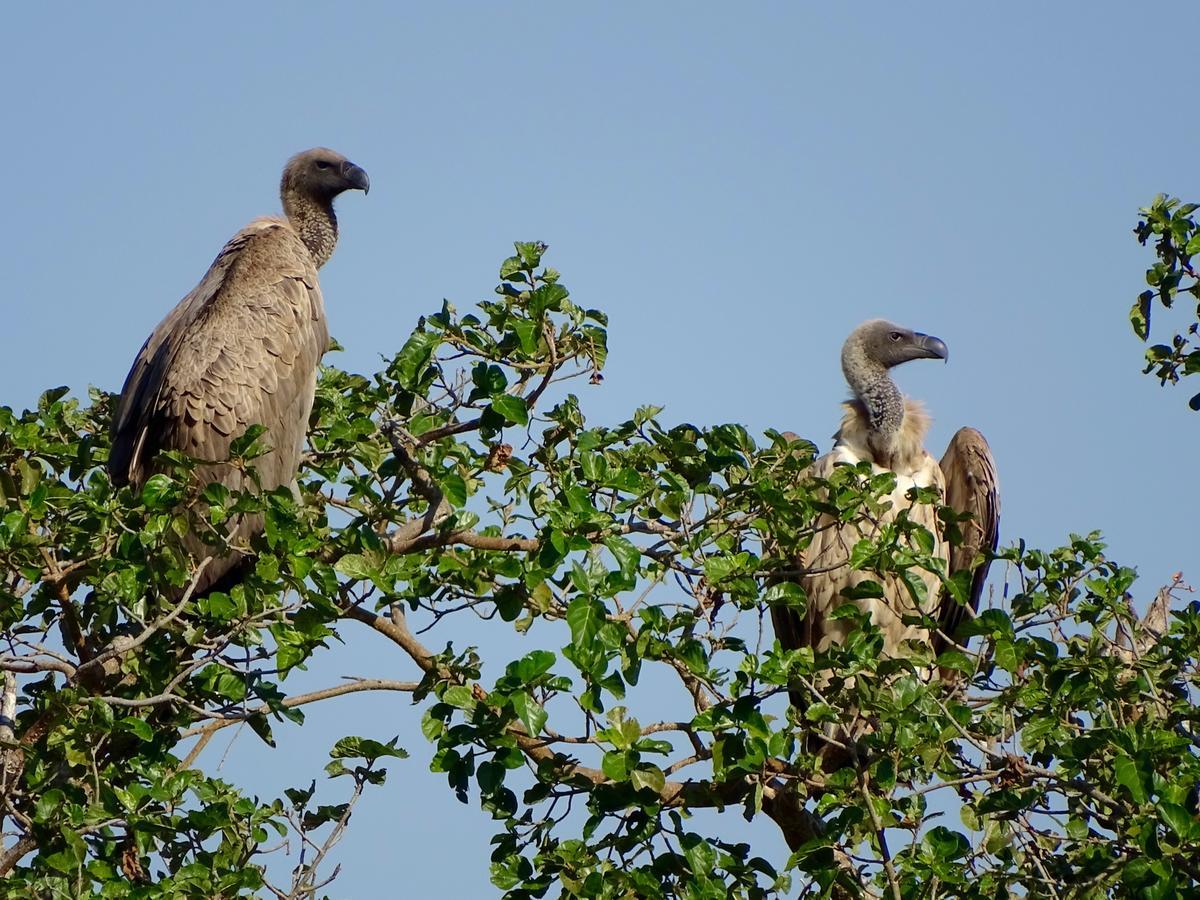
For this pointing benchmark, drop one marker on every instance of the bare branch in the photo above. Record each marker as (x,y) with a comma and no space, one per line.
(206,732)
(122,645)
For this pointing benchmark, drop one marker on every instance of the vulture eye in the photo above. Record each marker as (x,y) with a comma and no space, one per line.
(895,335)
(321,164)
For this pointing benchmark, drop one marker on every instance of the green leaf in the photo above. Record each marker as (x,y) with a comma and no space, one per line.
(527,333)
(585,616)
(1007,657)
(454,489)
(1177,818)
(615,765)
(529,711)
(161,492)
(548,297)
(1139,315)
(1077,829)
(530,253)
(510,600)
(534,664)
(947,844)
(414,356)
(248,445)
(299,797)
(459,696)
(139,727)
(510,267)
(786,594)
(625,553)
(1126,772)
(956,660)
(357,566)
(648,776)
(490,776)
(260,726)
(355,747)
(623,732)
(48,805)
(513,409)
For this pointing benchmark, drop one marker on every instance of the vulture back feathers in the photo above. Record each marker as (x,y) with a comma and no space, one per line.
(886,429)
(241,349)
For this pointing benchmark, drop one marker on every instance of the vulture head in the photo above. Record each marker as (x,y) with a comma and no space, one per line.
(321,174)
(872,349)
(310,182)
(878,345)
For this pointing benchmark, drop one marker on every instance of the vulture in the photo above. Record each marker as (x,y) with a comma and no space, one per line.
(241,349)
(883,427)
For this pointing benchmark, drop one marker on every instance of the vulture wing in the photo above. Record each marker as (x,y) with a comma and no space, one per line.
(971,487)
(241,349)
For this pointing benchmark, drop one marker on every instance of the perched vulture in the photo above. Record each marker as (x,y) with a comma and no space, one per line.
(888,430)
(241,349)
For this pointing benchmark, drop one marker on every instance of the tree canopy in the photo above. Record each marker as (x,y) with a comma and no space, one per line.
(640,559)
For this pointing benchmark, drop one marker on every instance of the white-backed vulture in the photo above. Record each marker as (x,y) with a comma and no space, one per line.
(241,349)
(888,430)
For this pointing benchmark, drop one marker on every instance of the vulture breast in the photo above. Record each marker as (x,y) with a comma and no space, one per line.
(827,558)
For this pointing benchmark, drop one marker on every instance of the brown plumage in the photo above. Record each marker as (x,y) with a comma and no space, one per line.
(971,487)
(241,349)
(888,430)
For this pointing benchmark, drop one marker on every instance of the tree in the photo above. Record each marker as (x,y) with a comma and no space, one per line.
(1176,240)
(464,479)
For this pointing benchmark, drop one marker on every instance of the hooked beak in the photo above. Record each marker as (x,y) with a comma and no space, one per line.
(931,347)
(356,177)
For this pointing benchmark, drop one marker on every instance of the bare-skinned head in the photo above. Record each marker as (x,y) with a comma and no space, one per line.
(880,344)
(321,174)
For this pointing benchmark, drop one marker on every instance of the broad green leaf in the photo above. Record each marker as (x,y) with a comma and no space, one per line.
(1139,315)
(615,765)
(535,663)
(161,492)
(648,776)
(414,356)
(1178,819)
(356,566)
(1127,775)
(529,711)
(368,749)
(454,489)
(584,616)
(137,726)
(513,409)
(627,555)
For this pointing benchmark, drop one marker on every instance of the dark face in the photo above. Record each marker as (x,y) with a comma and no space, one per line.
(324,173)
(892,345)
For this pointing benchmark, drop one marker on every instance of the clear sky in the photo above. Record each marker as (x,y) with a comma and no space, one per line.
(737,185)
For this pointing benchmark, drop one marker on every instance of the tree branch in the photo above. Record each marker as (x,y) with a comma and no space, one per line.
(206,732)
(13,854)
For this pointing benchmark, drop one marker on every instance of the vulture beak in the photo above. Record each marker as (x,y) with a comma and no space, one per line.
(356,177)
(930,347)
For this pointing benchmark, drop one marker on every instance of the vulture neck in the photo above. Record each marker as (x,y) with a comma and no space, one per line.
(880,424)
(314,221)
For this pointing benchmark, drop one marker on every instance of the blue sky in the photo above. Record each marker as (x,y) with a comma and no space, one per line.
(737,186)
